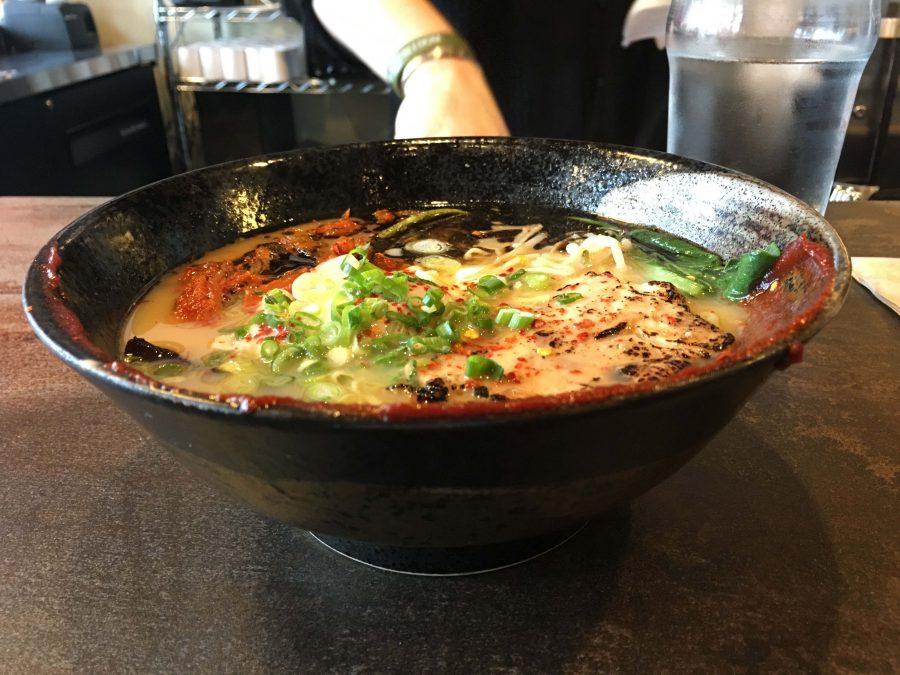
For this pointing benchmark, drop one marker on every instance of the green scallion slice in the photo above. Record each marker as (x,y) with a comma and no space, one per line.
(323,391)
(521,320)
(537,281)
(216,358)
(307,320)
(482,368)
(277,380)
(287,358)
(504,314)
(446,329)
(395,357)
(268,350)
(170,369)
(436,344)
(515,275)
(333,334)
(491,284)
(567,298)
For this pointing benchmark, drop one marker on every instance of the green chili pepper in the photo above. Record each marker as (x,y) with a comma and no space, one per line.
(742,274)
(674,246)
(422,216)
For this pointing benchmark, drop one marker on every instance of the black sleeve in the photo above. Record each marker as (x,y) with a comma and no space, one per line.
(325,56)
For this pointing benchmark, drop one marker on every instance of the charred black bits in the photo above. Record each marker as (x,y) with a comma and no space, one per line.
(631,370)
(724,342)
(618,328)
(434,391)
(498,397)
(481,392)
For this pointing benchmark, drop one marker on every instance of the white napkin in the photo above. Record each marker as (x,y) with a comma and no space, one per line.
(646,20)
(882,277)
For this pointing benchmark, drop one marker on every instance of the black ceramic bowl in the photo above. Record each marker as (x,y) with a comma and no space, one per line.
(435,477)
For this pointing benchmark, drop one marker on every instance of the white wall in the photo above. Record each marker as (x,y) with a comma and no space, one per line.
(123,21)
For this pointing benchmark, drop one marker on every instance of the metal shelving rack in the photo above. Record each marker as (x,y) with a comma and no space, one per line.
(170,24)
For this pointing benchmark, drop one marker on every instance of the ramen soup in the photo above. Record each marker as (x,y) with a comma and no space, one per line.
(440,305)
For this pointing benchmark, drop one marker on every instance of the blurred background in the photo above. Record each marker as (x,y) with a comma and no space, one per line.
(102,96)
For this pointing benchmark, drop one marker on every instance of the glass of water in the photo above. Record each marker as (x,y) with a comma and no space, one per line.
(766,86)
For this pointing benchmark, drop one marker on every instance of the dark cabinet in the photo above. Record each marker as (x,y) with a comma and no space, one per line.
(100,137)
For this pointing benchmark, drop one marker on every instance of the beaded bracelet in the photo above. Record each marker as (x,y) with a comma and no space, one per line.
(425,48)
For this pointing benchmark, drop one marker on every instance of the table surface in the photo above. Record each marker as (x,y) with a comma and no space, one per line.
(776,548)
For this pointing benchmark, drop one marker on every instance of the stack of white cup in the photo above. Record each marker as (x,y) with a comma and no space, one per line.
(242,60)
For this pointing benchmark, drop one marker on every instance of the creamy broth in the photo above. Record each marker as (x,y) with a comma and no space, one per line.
(434,306)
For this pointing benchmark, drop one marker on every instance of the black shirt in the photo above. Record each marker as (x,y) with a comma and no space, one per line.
(556,68)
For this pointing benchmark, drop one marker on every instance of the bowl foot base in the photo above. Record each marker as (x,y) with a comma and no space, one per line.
(455,561)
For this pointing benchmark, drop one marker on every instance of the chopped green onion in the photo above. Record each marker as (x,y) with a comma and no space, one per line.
(504,314)
(436,344)
(288,358)
(567,298)
(538,281)
(387,342)
(170,369)
(333,334)
(216,358)
(268,350)
(323,391)
(521,320)
(276,297)
(372,277)
(402,318)
(277,380)
(395,357)
(313,369)
(491,284)
(338,302)
(482,368)
(351,319)
(416,346)
(484,323)
(446,329)
(306,319)
(515,319)
(515,275)
(313,346)
(375,308)
(432,297)
(396,286)
(352,262)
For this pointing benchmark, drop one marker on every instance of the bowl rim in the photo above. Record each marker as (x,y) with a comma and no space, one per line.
(86,362)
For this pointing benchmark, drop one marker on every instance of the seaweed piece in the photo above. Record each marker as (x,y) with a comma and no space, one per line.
(139,349)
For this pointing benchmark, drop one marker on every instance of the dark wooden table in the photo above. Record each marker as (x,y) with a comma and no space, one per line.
(775,549)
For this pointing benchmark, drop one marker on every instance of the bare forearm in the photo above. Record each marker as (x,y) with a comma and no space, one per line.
(375,30)
(444,97)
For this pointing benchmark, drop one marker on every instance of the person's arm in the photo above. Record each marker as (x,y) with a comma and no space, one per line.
(444,97)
